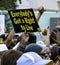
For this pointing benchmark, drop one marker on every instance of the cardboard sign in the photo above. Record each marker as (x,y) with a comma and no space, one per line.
(47,4)
(2,24)
(24,20)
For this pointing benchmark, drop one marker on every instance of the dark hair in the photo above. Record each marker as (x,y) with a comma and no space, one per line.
(3,36)
(55,30)
(33,47)
(54,54)
(32,38)
(10,57)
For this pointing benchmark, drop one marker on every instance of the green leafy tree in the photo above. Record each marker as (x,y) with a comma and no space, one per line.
(7,4)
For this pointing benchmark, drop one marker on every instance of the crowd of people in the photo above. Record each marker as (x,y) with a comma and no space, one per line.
(24,50)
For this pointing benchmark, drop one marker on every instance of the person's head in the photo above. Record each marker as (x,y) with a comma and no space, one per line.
(32,58)
(40,49)
(32,38)
(33,48)
(2,36)
(10,57)
(54,54)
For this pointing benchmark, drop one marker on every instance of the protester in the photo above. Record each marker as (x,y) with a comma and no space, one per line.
(10,57)
(28,37)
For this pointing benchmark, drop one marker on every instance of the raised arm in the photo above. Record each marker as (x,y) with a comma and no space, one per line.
(9,38)
(41,10)
(47,40)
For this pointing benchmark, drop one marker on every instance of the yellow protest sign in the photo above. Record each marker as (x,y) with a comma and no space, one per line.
(24,20)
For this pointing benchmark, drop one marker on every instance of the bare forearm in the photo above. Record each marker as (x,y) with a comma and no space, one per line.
(23,44)
(41,10)
(9,38)
(38,16)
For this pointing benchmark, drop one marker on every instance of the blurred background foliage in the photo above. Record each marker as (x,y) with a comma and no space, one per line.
(8,4)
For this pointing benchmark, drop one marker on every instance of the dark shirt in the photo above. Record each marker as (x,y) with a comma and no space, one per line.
(21,49)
